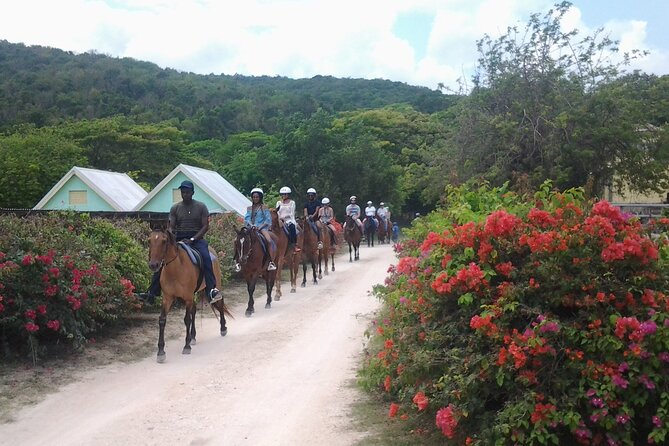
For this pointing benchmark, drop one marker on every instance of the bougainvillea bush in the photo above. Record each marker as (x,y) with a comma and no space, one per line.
(511,321)
(62,277)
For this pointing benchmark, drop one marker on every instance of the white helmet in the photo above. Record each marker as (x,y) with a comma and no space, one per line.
(325,200)
(284,190)
(353,197)
(369,203)
(381,204)
(311,190)
(257,189)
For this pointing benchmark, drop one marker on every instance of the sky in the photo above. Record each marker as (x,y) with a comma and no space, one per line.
(418,42)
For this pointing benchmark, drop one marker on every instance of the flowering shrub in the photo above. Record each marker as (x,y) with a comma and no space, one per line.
(62,277)
(527,323)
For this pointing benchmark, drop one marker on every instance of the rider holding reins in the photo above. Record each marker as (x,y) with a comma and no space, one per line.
(311,207)
(353,211)
(258,216)
(326,216)
(285,210)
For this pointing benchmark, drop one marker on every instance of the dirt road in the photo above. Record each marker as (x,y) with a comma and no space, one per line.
(281,377)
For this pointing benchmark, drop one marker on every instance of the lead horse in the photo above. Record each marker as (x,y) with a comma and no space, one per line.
(370,229)
(352,235)
(253,259)
(180,279)
(286,255)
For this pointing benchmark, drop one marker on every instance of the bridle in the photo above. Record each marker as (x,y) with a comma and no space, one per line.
(242,239)
(164,263)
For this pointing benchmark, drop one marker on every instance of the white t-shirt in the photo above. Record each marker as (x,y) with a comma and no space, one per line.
(370,211)
(353,210)
(382,212)
(286,211)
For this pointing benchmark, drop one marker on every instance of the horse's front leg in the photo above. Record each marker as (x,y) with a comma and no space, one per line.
(162,321)
(270,284)
(193,332)
(333,267)
(314,269)
(251,287)
(320,260)
(350,255)
(304,271)
(188,322)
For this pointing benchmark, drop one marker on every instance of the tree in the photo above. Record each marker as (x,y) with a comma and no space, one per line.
(543,107)
(32,161)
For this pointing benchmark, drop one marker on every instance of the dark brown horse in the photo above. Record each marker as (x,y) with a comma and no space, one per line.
(352,235)
(253,260)
(286,255)
(309,250)
(180,279)
(370,230)
(383,232)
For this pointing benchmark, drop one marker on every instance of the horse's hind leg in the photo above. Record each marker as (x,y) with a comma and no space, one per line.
(188,322)
(270,285)
(251,287)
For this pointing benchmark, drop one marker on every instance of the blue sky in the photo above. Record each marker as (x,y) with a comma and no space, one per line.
(420,42)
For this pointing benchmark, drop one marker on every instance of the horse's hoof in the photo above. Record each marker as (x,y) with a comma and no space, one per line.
(185,351)
(193,341)
(248,313)
(224,332)
(333,269)
(268,306)
(320,277)
(303,285)
(160,358)
(351,260)
(293,290)
(277,297)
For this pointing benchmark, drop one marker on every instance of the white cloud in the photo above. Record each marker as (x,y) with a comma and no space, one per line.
(294,38)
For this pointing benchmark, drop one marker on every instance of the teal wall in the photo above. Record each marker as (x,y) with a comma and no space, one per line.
(61,199)
(162,201)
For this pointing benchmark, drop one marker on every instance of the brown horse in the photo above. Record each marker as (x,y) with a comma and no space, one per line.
(352,235)
(249,254)
(309,250)
(286,255)
(180,279)
(328,252)
(382,233)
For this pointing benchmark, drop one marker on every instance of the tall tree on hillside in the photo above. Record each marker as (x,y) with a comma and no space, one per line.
(540,108)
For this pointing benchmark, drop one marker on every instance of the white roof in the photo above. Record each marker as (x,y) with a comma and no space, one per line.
(217,187)
(117,189)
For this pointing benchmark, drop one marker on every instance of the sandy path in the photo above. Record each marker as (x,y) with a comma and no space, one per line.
(282,377)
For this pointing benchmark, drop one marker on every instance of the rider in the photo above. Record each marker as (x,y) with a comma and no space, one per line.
(326,216)
(353,211)
(285,210)
(258,216)
(189,220)
(311,207)
(384,215)
(370,213)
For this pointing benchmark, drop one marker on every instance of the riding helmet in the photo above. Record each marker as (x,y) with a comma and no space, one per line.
(311,190)
(285,190)
(353,198)
(325,200)
(257,189)
(381,204)
(369,203)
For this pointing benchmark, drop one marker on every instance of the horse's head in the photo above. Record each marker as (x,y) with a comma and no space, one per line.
(244,243)
(160,241)
(275,218)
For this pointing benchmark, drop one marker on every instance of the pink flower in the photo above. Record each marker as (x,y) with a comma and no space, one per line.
(446,421)
(53,324)
(31,327)
(30,314)
(41,309)
(420,400)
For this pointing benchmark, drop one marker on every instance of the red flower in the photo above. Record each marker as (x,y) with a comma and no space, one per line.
(392,412)
(31,327)
(420,400)
(53,324)
(446,421)
(41,309)
(386,383)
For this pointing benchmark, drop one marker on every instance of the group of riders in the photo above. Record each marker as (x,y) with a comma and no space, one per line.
(314,211)
(189,221)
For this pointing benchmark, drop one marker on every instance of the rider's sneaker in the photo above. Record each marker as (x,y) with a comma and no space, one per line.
(215,296)
(238,267)
(320,245)
(271,266)
(146,298)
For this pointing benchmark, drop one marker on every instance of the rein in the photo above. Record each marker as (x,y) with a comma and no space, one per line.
(163,263)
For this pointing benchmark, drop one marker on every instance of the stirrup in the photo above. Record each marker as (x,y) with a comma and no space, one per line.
(238,267)
(215,296)
(320,245)
(271,266)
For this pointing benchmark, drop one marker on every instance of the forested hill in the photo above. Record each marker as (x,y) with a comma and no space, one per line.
(46,85)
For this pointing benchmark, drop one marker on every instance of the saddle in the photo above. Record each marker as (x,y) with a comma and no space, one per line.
(196,258)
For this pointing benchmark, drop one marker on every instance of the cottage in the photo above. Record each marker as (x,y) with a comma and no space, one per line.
(210,188)
(84,189)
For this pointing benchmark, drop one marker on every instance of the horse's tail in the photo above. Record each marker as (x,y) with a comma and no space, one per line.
(225,310)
